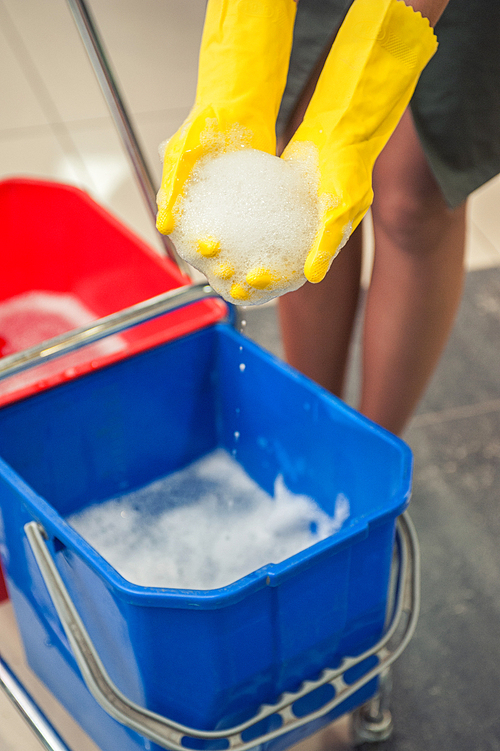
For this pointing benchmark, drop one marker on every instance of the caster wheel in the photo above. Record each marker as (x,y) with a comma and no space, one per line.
(369,729)
(372,722)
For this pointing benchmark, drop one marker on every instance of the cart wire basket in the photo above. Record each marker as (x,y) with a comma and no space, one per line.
(342,583)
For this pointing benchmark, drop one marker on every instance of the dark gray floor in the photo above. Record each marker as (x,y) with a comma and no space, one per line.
(447,684)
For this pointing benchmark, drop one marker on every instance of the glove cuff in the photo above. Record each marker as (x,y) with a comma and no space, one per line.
(371,72)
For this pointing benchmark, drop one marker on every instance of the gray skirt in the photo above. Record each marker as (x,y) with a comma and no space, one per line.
(456,105)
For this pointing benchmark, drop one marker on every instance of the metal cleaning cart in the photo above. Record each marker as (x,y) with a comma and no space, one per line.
(265,661)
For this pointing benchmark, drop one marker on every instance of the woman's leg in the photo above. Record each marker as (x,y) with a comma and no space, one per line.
(317,320)
(416,282)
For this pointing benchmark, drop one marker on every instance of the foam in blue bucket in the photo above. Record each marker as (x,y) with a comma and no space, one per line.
(206,659)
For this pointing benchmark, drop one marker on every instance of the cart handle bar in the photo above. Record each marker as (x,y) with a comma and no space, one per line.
(106,326)
(29,710)
(169,734)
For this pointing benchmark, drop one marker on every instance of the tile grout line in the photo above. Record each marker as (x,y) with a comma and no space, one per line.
(40,90)
(94,123)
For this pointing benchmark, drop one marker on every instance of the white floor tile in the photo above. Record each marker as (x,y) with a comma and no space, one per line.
(153,47)
(155,127)
(38,154)
(480,252)
(485,211)
(110,178)
(47,36)
(20,107)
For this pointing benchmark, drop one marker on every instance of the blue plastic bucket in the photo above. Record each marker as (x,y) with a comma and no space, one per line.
(206,659)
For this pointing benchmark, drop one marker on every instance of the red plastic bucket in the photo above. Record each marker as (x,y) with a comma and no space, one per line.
(3,589)
(57,242)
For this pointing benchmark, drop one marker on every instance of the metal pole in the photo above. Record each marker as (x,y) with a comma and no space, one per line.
(102,69)
(31,712)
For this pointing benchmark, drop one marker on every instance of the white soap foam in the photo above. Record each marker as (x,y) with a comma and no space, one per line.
(264,212)
(204,527)
(32,317)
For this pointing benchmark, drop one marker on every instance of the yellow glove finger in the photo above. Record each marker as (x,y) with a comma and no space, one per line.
(344,205)
(335,231)
(181,154)
(247,285)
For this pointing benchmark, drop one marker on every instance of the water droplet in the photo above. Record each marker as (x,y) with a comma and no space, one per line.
(242,366)
(236,435)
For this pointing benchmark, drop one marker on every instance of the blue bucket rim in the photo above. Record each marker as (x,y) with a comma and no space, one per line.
(272,574)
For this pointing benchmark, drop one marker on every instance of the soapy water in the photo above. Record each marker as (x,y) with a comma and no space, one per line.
(204,526)
(261,211)
(32,317)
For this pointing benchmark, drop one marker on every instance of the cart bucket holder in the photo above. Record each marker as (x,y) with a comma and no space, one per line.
(226,667)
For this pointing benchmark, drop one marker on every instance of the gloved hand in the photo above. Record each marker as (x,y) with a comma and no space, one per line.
(364,88)
(243,65)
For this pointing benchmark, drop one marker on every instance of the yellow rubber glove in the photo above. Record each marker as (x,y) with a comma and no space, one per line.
(243,65)
(364,88)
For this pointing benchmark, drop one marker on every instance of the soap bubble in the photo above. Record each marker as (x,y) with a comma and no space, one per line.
(204,526)
(248,219)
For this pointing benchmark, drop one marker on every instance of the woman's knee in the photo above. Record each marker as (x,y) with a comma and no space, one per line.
(409,206)
(406,216)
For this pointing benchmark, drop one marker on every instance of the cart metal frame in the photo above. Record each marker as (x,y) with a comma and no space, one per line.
(372,721)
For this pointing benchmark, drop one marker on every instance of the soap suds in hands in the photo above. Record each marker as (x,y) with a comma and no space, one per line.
(255,212)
